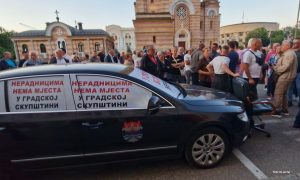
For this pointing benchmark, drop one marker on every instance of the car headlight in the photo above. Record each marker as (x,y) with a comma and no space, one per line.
(243,116)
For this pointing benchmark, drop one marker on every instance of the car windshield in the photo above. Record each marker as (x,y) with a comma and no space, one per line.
(173,89)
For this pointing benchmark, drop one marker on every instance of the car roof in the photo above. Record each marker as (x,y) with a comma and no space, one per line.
(92,68)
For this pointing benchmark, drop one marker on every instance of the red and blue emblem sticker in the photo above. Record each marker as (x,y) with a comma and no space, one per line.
(132,131)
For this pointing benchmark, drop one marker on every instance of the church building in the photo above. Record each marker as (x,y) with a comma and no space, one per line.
(58,35)
(182,23)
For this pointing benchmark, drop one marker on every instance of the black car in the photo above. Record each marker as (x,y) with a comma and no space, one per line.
(80,114)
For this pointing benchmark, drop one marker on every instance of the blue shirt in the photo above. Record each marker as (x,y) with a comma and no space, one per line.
(234,60)
(10,63)
(30,62)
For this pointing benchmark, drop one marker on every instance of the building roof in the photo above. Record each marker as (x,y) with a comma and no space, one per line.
(31,33)
(251,23)
(74,31)
(89,32)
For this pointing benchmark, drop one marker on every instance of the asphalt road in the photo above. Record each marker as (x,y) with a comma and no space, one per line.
(277,157)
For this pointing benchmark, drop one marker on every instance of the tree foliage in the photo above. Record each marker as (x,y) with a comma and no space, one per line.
(5,41)
(261,33)
(277,36)
(289,32)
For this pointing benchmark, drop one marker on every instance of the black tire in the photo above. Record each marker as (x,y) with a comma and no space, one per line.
(207,155)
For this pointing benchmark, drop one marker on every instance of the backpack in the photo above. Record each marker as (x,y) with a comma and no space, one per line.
(259,60)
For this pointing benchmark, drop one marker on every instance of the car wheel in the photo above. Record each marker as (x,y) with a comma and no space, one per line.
(207,148)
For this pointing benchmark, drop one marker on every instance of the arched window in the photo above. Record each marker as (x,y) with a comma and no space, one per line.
(61,44)
(97,46)
(43,48)
(182,35)
(24,48)
(154,39)
(127,36)
(114,36)
(80,47)
(211,13)
(181,12)
(211,25)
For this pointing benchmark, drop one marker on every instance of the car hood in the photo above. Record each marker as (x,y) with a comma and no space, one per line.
(207,97)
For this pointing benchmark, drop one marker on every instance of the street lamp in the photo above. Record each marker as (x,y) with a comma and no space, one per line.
(297,24)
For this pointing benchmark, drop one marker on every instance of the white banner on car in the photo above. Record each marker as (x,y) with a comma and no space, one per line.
(37,94)
(155,82)
(101,92)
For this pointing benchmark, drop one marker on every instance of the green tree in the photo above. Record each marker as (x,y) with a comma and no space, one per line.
(277,36)
(5,41)
(261,33)
(289,32)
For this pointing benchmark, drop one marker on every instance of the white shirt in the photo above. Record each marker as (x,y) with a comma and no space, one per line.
(113,61)
(68,58)
(134,56)
(217,63)
(254,68)
(61,61)
(137,62)
(187,57)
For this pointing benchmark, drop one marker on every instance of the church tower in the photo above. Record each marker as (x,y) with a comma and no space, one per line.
(168,23)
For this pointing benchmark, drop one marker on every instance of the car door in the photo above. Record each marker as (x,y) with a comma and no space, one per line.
(116,122)
(39,127)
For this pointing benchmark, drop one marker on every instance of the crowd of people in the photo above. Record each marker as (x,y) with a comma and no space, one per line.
(213,67)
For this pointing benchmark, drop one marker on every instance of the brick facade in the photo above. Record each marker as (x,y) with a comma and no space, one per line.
(168,23)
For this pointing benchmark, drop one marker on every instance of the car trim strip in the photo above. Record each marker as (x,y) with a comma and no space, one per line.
(69,111)
(93,154)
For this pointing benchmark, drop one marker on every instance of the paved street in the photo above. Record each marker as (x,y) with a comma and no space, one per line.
(277,157)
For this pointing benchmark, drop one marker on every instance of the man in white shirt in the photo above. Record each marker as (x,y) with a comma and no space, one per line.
(220,67)
(251,67)
(110,57)
(59,59)
(66,56)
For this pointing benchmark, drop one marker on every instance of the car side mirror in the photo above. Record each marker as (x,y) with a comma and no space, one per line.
(154,105)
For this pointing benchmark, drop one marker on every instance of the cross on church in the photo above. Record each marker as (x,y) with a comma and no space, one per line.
(57,18)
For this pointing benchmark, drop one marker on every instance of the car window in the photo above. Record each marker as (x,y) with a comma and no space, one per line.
(156,82)
(37,94)
(2,97)
(103,92)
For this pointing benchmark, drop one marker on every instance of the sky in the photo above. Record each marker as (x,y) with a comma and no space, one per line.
(97,14)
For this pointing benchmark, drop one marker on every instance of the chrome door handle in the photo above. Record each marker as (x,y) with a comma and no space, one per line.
(92,125)
(2,128)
